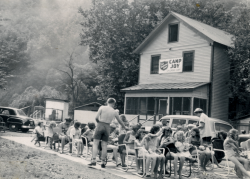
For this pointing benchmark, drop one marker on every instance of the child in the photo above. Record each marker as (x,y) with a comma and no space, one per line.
(50,134)
(141,142)
(126,123)
(182,149)
(167,141)
(90,132)
(75,134)
(232,151)
(152,148)
(39,133)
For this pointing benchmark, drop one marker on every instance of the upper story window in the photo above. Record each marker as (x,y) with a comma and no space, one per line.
(155,64)
(188,61)
(173,33)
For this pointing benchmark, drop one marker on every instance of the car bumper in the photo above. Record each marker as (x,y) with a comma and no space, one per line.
(27,127)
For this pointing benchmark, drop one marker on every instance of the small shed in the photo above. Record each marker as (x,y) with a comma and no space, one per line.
(56,109)
(87,112)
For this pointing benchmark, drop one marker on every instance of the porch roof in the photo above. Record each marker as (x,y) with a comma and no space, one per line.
(165,86)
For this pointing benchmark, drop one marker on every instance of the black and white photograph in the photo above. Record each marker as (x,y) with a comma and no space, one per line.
(124,89)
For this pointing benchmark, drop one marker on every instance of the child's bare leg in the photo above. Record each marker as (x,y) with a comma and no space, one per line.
(241,167)
(81,146)
(207,158)
(244,161)
(182,159)
(138,166)
(157,163)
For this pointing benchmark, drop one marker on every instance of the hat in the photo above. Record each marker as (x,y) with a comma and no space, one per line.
(198,110)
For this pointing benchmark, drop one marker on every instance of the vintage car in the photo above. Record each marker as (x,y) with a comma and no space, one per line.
(183,120)
(15,119)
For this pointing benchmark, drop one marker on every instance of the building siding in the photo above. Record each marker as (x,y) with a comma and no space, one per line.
(188,41)
(201,69)
(220,77)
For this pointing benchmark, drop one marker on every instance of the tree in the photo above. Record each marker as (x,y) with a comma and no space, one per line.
(77,80)
(239,56)
(14,59)
(113,29)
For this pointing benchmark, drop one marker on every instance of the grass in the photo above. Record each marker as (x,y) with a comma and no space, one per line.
(18,161)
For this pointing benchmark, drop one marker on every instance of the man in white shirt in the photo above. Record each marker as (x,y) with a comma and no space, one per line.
(204,125)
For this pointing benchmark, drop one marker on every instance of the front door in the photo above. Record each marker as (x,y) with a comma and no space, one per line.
(163,103)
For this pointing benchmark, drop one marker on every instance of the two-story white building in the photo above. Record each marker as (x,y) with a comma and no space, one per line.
(183,65)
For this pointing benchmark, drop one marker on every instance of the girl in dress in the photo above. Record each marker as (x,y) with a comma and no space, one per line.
(152,147)
(141,142)
(183,149)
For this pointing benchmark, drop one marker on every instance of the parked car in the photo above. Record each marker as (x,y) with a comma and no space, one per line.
(15,119)
(184,120)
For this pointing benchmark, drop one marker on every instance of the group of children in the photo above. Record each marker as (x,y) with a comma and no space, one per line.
(179,146)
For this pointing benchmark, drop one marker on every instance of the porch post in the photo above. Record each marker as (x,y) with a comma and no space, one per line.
(146,108)
(192,106)
(155,108)
(168,105)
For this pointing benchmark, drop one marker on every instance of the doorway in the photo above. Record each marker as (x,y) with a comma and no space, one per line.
(163,103)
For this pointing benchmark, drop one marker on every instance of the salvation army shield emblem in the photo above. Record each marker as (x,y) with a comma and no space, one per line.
(164,65)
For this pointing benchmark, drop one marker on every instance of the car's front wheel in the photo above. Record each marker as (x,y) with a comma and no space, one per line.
(24,130)
(13,127)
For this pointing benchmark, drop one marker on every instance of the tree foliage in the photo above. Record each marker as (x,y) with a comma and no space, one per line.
(14,59)
(113,29)
(240,61)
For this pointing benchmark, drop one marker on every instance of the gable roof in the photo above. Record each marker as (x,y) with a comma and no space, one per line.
(208,31)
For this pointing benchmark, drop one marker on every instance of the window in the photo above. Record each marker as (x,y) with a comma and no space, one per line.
(151,106)
(6,112)
(12,112)
(222,127)
(200,103)
(143,105)
(155,64)
(180,106)
(186,106)
(177,105)
(173,33)
(192,122)
(178,122)
(188,58)
(132,105)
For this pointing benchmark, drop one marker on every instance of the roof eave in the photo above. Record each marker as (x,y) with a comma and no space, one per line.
(158,90)
(138,49)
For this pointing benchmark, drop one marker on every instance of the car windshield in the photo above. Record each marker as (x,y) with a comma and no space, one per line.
(222,127)
(178,122)
(20,112)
